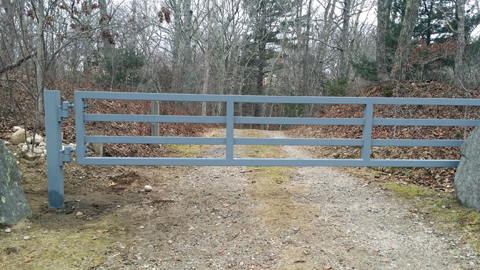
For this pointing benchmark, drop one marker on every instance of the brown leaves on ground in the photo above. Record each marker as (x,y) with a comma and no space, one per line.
(438,178)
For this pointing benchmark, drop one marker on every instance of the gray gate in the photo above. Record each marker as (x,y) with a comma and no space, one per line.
(57,155)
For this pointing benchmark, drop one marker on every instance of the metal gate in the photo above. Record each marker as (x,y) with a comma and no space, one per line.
(57,155)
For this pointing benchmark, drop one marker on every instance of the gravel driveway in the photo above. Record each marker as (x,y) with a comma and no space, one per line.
(209,218)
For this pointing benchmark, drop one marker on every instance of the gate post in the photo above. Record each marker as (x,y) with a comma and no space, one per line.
(53,132)
(367,132)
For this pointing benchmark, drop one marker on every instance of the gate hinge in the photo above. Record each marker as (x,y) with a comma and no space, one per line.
(64,110)
(66,155)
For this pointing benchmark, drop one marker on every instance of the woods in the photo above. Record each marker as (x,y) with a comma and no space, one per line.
(268,47)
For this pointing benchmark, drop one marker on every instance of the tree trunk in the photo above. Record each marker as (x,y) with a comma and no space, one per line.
(305,87)
(460,8)
(187,50)
(40,64)
(405,39)
(176,63)
(381,58)
(106,36)
(343,65)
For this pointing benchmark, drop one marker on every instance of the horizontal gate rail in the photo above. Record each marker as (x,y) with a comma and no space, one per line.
(229,119)
(55,112)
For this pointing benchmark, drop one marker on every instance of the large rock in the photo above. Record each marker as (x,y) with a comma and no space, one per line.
(467,177)
(13,205)
(19,136)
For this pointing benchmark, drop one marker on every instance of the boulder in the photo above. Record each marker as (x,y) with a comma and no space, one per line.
(467,176)
(18,136)
(13,205)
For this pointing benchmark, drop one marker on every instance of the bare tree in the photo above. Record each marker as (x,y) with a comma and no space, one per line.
(460,36)
(405,39)
(382,19)
(344,49)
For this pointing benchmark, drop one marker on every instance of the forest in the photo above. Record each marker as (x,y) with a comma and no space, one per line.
(240,47)
(236,217)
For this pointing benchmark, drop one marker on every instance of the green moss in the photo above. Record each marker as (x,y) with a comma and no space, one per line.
(443,210)
(190,150)
(410,191)
(7,180)
(186,150)
(79,247)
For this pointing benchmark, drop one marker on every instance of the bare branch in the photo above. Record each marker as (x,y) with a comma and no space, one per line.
(17,64)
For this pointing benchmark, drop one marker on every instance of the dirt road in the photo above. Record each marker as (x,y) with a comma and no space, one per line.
(233,218)
(212,218)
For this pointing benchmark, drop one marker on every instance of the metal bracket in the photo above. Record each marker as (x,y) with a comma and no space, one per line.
(64,110)
(66,155)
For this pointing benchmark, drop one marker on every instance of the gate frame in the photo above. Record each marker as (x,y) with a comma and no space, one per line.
(55,112)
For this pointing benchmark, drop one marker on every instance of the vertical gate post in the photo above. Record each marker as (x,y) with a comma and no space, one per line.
(367,132)
(230,116)
(53,130)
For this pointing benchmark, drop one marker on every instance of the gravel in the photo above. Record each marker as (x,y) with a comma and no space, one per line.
(206,218)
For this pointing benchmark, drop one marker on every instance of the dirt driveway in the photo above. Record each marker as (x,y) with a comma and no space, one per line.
(225,218)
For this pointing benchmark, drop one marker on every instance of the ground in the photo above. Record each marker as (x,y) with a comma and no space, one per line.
(226,218)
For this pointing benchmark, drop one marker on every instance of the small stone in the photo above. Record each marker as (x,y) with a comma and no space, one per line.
(8,230)
(79,214)
(30,156)
(148,188)
(24,147)
(38,139)
(26,237)
(15,128)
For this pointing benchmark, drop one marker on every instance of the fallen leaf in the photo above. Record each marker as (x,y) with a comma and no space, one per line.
(28,259)
(102,231)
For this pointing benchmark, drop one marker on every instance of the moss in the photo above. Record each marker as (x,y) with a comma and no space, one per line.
(443,210)
(186,150)
(8,178)
(78,247)
(191,150)
(410,191)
